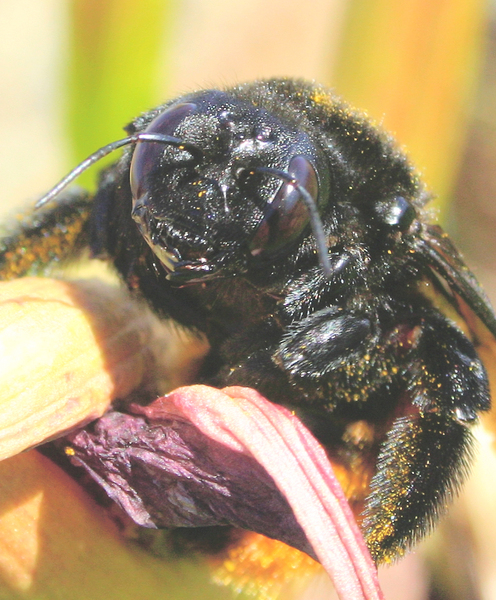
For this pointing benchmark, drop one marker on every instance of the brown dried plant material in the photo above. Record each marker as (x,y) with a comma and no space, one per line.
(67,350)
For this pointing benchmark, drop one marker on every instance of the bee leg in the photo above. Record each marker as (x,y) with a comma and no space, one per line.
(428,450)
(49,235)
(305,353)
(421,466)
(316,345)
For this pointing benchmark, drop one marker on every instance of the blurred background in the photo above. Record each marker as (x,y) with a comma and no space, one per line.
(74,72)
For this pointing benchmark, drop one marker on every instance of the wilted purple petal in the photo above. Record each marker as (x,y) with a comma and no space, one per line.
(202,456)
(166,473)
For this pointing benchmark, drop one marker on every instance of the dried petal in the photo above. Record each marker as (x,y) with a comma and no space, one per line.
(198,458)
(165,473)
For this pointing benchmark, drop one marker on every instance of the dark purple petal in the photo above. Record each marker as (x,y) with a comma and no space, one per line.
(165,473)
(202,456)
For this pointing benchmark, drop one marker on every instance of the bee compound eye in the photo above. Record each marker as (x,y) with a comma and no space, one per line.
(286,215)
(147,155)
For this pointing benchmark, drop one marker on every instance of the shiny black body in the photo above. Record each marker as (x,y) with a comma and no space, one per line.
(388,382)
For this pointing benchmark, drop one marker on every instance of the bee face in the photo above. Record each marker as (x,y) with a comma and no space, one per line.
(210,216)
(218,212)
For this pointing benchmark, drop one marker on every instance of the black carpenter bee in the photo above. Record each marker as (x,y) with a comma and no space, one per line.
(293,234)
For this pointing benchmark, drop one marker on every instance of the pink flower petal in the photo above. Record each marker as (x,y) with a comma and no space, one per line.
(301,470)
(203,456)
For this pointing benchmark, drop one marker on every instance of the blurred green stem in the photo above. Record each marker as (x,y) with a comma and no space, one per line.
(115,50)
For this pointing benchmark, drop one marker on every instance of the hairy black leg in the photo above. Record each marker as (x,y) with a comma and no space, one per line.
(428,450)
(41,238)
(420,468)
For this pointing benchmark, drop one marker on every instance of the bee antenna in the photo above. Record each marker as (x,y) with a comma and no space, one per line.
(315,220)
(195,152)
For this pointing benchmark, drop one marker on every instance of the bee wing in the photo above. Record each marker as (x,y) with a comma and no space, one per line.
(441,255)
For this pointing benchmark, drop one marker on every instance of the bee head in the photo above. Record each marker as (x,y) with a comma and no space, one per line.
(245,195)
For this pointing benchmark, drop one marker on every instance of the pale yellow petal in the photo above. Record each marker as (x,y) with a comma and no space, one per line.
(66,351)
